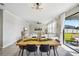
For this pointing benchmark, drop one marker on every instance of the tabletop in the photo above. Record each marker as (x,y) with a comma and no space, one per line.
(37,42)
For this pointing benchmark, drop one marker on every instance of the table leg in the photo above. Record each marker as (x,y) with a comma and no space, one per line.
(77,42)
(54,51)
(22,52)
(19,52)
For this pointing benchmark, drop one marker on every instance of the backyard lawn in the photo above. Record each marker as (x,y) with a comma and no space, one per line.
(69,37)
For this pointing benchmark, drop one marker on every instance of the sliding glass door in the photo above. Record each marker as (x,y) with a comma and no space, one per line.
(71,32)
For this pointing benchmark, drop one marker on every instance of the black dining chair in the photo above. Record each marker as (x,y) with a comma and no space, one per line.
(31,48)
(45,48)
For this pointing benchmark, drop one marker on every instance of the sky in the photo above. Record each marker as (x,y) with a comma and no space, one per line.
(72,22)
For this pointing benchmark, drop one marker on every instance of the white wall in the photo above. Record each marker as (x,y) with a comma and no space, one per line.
(12,27)
(60,26)
(62,19)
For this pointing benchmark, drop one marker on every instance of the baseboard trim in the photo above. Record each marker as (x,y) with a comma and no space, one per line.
(9,44)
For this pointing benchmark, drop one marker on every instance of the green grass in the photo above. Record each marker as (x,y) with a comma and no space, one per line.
(69,37)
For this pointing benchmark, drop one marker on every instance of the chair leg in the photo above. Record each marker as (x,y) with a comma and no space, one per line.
(35,53)
(19,52)
(54,51)
(22,52)
(41,53)
(57,52)
(48,53)
(28,53)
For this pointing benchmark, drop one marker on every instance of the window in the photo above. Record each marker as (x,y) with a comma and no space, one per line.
(71,32)
(52,27)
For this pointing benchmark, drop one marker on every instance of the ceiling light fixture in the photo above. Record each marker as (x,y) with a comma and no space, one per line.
(37,6)
(1,3)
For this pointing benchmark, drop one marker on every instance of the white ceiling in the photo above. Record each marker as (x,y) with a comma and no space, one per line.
(48,13)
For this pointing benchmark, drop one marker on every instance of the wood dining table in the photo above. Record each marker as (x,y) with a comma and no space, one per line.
(52,43)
